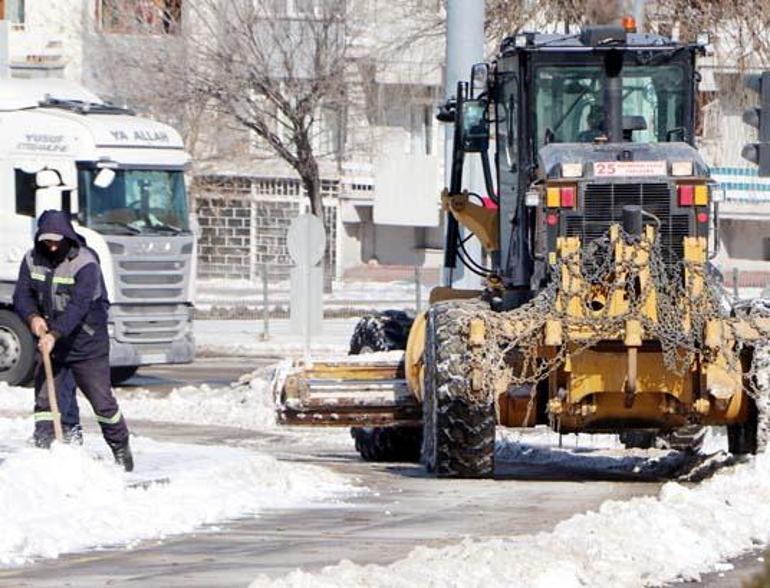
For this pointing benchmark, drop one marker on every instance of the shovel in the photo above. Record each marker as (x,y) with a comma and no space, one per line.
(53,402)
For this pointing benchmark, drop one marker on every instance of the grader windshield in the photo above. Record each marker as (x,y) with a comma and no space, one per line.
(569,103)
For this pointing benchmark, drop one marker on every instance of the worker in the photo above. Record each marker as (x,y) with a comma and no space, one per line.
(70,413)
(595,122)
(61,295)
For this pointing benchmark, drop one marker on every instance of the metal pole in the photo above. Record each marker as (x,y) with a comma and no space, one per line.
(265,306)
(639,15)
(417,289)
(735,282)
(464,47)
(5,49)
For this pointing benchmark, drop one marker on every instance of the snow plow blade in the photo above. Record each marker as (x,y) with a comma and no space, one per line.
(363,390)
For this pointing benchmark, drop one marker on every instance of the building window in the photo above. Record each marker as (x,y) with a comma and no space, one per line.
(158,17)
(12,10)
(421,129)
(25,193)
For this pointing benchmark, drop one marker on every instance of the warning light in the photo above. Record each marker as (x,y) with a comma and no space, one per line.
(552,220)
(703,217)
(629,24)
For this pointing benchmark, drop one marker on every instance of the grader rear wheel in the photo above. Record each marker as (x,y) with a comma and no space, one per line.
(458,422)
(384,331)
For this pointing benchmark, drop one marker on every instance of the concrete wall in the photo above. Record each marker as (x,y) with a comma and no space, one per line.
(244,223)
(746,240)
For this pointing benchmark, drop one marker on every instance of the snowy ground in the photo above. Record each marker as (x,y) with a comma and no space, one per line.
(344,295)
(215,338)
(73,499)
(684,531)
(679,534)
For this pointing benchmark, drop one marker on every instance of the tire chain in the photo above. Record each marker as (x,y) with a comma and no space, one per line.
(514,338)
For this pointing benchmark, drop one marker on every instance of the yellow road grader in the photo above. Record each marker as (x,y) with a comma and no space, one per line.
(600,310)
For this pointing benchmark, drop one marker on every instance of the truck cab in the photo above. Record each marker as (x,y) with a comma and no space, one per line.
(122,178)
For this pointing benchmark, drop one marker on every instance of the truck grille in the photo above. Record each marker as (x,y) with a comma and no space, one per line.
(603,206)
(142,324)
(151,280)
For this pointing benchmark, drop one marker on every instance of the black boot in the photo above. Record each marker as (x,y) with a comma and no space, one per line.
(123,455)
(73,434)
(42,440)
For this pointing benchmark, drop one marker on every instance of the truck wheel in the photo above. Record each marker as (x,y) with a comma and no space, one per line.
(384,331)
(121,373)
(638,439)
(458,422)
(688,438)
(17,350)
(388,443)
(742,438)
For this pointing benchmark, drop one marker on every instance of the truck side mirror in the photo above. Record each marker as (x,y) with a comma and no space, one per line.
(49,198)
(46,178)
(104,178)
(474,126)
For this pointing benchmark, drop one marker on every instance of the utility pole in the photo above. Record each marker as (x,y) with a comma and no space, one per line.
(639,15)
(5,49)
(464,47)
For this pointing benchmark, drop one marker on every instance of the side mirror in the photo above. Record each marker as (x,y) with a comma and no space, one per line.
(104,178)
(474,126)
(47,178)
(479,79)
(47,199)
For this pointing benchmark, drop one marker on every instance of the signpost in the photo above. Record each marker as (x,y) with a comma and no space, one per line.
(306,241)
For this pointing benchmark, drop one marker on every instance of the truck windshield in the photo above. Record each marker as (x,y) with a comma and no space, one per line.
(137,201)
(569,103)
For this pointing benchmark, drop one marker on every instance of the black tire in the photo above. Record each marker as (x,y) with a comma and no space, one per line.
(388,444)
(17,350)
(458,422)
(638,439)
(742,438)
(384,331)
(121,373)
(688,438)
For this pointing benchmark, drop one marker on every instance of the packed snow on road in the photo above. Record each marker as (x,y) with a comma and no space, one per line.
(74,498)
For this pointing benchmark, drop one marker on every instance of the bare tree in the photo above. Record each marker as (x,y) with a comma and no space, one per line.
(271,72)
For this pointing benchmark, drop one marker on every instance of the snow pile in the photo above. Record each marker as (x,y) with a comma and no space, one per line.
(243,338)
(64,500)
(244,405)
(679,534)
(224,293)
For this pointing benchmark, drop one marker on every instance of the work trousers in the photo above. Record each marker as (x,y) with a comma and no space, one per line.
(92,376)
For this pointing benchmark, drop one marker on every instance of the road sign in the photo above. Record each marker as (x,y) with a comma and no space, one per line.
(306,240)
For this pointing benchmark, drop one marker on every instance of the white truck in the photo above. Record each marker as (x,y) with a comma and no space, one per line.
(122,179)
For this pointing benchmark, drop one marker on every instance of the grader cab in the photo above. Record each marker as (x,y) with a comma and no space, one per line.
(600,310)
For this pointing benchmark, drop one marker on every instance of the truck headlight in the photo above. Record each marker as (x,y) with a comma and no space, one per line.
(532,198)
(681,168)
(572,170)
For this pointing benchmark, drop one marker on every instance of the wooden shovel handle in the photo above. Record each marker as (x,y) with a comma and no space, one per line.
(52,400)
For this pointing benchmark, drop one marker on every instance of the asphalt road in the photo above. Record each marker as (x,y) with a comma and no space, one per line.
(404,508)
(214,371)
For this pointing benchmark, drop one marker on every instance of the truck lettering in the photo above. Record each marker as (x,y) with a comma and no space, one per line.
(119,135)
(43,143)
(151,136)
(140,136)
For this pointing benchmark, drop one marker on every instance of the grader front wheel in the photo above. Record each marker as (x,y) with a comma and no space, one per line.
(458,421)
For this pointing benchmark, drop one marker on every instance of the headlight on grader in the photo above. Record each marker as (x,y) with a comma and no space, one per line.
(681,168)
(572,170)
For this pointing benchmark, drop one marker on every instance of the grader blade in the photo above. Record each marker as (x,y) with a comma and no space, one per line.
(362,390)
